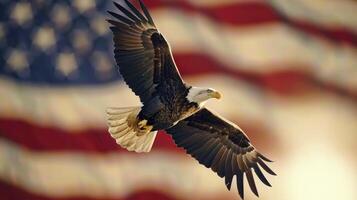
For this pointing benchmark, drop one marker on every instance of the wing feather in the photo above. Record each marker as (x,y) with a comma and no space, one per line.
(240,185)
(228,169)
(210,157)
(222,163)
(222,146)
(260,175)
(216,161)
(121,18)
(136,12)
(127,13)
(251,181)
(141,53)
(265,167)
(202,152)
(146,12)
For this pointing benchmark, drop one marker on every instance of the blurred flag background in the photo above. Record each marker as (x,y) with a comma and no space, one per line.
(287,71)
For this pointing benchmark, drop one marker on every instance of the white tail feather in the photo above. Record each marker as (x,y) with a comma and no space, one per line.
(122,124)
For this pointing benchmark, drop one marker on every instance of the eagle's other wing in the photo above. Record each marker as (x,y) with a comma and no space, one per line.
(222,146)
(144,57)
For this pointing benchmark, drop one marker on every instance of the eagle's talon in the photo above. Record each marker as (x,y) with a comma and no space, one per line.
(142,123)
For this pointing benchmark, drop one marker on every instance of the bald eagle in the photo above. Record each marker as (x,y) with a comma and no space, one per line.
(146,63)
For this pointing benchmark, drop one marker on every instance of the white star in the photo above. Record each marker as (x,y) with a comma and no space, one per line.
(84,5)
(21,13)
(99,25)
(44,38)
(17,61)
(81,41)
(102,64)
(61,15)
(66,64)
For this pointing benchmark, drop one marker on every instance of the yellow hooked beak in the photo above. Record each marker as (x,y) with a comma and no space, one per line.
(216,95)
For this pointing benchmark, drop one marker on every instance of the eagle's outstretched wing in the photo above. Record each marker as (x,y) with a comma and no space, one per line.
(221,146)
(144,57)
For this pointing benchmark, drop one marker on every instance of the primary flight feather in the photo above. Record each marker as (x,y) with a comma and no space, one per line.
(145,61)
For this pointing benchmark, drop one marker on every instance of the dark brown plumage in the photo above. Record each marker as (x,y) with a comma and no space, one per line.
(221,146)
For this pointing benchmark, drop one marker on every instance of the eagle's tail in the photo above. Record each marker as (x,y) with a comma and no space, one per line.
(128,131)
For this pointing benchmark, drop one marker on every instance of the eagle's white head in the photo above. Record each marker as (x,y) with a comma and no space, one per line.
(201,95)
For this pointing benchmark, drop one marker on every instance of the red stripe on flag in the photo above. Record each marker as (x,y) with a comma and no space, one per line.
(39,138)
(42,138)
(255,13)
(11,192)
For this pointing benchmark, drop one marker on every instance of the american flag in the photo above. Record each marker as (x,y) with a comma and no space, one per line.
(287,71)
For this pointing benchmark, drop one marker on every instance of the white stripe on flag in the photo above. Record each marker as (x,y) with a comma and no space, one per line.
(333,14)
(64,107)
(84,107)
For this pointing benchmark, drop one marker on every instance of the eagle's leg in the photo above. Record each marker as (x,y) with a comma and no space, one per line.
(143,127)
